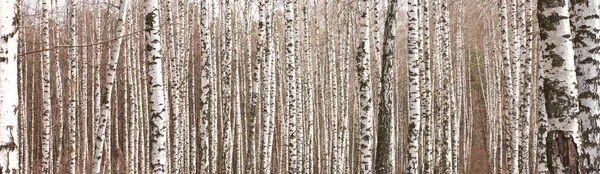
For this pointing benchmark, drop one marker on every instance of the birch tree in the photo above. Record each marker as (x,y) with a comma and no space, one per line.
(427,96)
(363,66)
(72,81)
(414,100)
(291,86)
(559,86)
(255,90)
(206,90)
(100,132)
(526,86)
(309,140)
(227,134)
(386,130)
(9,99)
(268,91)
(513,155)
(158,116)
(586,42)
(47,103)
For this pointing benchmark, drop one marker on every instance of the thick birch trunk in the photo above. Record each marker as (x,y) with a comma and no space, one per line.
(586,21)
(9,154)
(386,130)
(559,87)
(158,117)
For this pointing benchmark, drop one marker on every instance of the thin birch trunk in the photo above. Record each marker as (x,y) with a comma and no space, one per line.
(47,102)
(364,80)
(291,86)
(413,96)
(206,89)
(73,82)
(99,133)
(427,96)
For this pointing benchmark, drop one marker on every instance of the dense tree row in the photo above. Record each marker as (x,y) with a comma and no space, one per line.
(299,86)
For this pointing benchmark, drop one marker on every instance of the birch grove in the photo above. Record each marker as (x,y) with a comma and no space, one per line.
(299,86)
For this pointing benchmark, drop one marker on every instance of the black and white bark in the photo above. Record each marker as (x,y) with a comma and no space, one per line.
(585,25)
(363,66)
(559,87)
(386,134)
(9,153)
(105,111)
(158,116)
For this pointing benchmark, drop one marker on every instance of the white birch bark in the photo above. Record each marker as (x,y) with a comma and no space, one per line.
(309,139)
(509,98)
(526,72)
(559,87)
(237,110)
(59,98)
(586,42)
(46,99)
(73,82)
(9,154)
(542,134)
(156,93)
(84,101)
(227,134)
(205,80)
(255,92)
(268,93)
(291,86)
(427,96)
(96,69)
(100,131)
(363,66)
(414,119)
(513,155)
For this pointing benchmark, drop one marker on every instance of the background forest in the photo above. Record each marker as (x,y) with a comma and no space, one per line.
(299,86)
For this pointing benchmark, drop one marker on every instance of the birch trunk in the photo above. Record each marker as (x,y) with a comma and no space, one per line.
(526,72)
(205,80)
(508,78)
(559,87)
(586,42)
(158,117)
(386,130)
(100,132)
(309,140)
(268,93)
(73,82)
(513,155)
(363,67)
(9,99)
(255,92)
(414,100)
(47,102)
(291,86)
(227,134)
(427,96)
